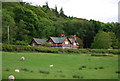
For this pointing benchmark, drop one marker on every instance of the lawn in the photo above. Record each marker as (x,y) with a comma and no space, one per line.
(66,66)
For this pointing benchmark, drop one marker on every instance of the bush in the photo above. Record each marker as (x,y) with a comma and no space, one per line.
(31,71)
(24,69)
(80,68)
(118,72)
(44,72)
(83,66)
(20,43)
(95,68)
(46,44)
(7,70)
(101,67)
(93,52)
(76,76)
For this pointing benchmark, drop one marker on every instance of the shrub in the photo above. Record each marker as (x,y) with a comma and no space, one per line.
(76,76)
(80,68)
(83,66)
(20,48)
(95,68)
(101,67)
(24,69)
(31,71)
(81,77)
(46,44)
(118,72)
(7,70)
(44,72)
(20,43)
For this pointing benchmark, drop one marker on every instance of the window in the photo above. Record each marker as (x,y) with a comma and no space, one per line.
(50,42)
(33,44)
(74,43)
(66,42)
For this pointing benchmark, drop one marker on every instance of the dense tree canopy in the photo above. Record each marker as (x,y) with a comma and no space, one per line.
(102,40)
(26,21)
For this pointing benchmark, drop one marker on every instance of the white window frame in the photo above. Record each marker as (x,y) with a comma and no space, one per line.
(74,44)
(33,44)
(66,42)
(50,42)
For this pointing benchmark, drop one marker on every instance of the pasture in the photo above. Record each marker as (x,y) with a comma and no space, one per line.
(65,66)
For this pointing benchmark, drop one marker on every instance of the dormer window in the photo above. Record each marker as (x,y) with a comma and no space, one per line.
(50,42)
(33,44)
(66,42)
(74,43)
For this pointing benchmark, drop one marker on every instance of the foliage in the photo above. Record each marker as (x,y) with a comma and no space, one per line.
(27,21)
(115,42)
(46,44)
(21,48)
(80,42)
(102,40)
(20,43)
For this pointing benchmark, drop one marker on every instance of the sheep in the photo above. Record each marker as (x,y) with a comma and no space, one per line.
(11,78)
(50,65)
(22,58)
(17,70)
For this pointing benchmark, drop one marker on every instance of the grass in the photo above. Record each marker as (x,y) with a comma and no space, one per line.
(66,66)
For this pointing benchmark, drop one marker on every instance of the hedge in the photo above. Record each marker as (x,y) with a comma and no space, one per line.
(19,48)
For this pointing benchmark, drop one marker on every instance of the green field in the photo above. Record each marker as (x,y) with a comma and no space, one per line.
(66,66)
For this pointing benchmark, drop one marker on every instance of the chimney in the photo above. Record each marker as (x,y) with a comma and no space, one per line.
(62,35)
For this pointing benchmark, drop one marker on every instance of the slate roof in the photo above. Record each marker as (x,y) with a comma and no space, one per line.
(39,41)
(58,39)
(71,40)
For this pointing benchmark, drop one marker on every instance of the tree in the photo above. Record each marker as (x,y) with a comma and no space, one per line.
(56,11)
(117,32)
(96,25)
(80,42)
(102,40)
(8,23)
(29,17)
(62,13)
(114,40)
(47,6)
(107,27)
(22,33)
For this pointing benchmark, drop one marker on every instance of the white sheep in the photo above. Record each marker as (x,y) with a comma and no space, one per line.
(11,78)
(22,58)
(50,65)
(17,70)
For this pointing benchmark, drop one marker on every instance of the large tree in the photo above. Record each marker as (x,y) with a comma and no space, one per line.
(102,40)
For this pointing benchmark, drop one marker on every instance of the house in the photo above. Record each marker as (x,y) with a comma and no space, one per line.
(37,42)
(62,42)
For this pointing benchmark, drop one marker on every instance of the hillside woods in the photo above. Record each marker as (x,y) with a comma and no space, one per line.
(26,21)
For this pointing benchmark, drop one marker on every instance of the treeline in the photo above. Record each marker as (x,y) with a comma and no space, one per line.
(25,21)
